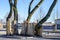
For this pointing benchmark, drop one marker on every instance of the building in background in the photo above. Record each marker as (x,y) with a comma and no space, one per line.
(57,24)
(1,24)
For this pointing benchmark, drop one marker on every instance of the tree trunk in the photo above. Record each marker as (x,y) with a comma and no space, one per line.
(38,26)
(8,22)
(30,13)
(15,28)
(8,29)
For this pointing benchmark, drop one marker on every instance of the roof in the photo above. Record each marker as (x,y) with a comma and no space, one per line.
(48,24)
(57,19)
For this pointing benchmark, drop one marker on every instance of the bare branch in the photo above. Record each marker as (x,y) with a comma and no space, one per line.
(49,12)
(32,12)
(10,2)
(30,6)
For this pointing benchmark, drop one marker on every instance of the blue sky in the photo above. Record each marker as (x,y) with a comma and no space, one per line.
(22,6)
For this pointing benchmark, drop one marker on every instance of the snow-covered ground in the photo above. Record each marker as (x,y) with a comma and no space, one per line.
(25,38)
(3,32)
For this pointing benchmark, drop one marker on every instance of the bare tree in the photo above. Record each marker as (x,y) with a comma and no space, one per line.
(39,25)
(15,28)
(7,20)
(30,13)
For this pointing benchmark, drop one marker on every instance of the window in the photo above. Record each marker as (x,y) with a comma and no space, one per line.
(48,27)
(58,26)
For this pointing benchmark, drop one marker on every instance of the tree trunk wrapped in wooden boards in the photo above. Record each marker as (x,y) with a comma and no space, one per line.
(39,25)
(30,13)
(8,23)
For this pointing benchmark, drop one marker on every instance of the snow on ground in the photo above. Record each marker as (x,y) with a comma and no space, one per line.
(4,37)
(26,38)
